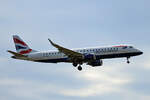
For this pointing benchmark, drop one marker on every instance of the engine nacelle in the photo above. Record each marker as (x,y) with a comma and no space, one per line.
(95,63)
(89,57)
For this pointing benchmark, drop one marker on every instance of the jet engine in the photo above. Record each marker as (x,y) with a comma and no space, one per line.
(89,57)
(95,63)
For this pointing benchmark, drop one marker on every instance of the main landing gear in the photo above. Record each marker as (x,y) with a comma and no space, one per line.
(128,60)
(79,67)
(75,64)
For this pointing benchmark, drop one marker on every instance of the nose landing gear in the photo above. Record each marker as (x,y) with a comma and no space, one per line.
(128,60)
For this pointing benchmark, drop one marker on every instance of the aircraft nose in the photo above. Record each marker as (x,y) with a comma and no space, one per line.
(140,52)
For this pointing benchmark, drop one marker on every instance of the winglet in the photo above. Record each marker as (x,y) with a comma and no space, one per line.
(52,43)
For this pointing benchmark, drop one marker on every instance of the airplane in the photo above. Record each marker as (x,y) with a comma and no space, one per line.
(91,56)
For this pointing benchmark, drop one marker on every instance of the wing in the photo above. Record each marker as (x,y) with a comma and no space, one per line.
(70,53)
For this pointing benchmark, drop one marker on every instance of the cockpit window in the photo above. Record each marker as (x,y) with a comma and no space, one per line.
(124,47)
(130,47)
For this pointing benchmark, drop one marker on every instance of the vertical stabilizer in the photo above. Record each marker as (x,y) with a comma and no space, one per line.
(21,46)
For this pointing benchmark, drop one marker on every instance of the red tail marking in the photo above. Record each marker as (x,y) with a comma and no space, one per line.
(26,51)
(20,42)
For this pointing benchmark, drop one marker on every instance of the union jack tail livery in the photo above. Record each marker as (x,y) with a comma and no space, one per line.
(21,46)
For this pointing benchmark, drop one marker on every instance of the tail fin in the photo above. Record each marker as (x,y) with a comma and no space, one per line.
(21,46)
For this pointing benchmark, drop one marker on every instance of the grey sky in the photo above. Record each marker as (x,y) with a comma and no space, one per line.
(75,24)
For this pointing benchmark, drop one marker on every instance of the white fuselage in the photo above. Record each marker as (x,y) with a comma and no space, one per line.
(100,53)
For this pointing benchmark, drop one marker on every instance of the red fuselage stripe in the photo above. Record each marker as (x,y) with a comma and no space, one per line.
(119,46)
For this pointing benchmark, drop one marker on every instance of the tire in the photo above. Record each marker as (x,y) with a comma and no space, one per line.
(75,64)
(79,68)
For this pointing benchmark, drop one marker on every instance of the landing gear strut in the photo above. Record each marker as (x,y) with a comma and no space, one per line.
(128,60)
(79,68)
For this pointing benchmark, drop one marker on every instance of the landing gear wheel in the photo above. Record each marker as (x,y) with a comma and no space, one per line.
(75,64)
(79,68)
(128,60)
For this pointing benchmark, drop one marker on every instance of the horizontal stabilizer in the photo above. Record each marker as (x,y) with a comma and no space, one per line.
(16,54)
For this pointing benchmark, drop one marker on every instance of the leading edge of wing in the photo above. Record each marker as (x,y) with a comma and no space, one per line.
(66,51)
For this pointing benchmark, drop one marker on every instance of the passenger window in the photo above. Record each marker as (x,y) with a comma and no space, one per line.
(111,49)
(130,47)
(46,54)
